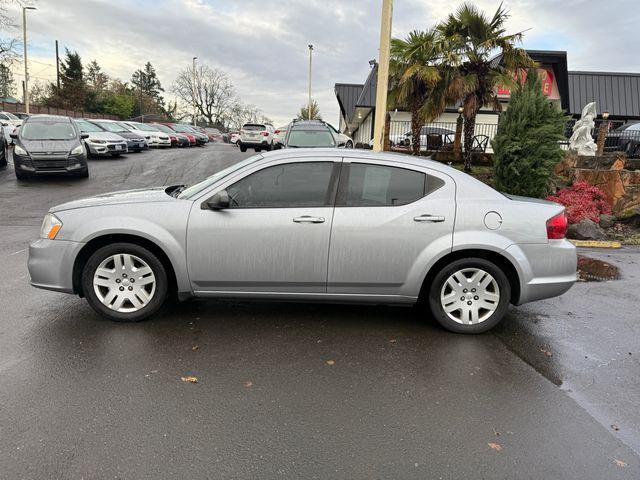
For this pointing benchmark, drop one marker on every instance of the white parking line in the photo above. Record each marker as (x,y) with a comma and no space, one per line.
(16,253)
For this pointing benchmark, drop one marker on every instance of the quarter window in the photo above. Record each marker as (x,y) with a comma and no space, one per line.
(308,184)
(376,185)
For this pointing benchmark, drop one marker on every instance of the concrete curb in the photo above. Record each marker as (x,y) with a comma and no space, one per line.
(596,244)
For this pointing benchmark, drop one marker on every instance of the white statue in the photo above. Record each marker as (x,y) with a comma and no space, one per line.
(581,140)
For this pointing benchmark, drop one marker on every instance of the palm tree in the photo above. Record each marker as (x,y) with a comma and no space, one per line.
(413,77)
(476,39)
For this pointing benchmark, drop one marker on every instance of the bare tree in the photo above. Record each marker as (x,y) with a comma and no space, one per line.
(209,90)
(8,45)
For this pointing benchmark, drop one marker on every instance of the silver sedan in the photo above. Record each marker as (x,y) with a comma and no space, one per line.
(320,225)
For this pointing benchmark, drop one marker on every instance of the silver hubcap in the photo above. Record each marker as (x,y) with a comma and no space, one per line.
(470,296)
(124,283)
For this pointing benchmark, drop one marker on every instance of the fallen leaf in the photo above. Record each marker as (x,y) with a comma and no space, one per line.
(190,379)
(248,383)
(495,446)
(619,463)
(393,340)
(615,427)
(546,352)
(495,432)
(331,362)
(195,347)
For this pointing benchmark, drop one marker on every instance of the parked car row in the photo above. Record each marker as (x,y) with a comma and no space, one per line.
(52,144)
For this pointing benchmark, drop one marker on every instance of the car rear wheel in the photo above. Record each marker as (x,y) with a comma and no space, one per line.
(470,295)
(243,148)
(124,282)
(349,145)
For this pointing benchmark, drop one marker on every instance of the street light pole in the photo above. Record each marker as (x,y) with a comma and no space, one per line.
(309,103)
(195,104)
(383,75)
(26,68)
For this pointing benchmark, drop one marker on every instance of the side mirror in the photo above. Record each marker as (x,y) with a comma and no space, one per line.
(219,201)
(5,124)
(84,135)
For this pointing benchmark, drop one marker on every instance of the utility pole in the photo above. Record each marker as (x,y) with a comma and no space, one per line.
(309,104)
(195,104)
(383,75)
(26,68)
(57,67)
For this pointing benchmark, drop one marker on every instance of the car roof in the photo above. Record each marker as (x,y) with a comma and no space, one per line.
(44,116)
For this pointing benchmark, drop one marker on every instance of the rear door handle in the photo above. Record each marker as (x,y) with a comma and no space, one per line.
(308,219)
(429,218)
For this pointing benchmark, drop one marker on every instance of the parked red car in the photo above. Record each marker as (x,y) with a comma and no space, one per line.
(213,133)
(190,136)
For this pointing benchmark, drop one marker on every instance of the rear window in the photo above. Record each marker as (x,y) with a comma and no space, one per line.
(377,185)
(253,126)
(310,138)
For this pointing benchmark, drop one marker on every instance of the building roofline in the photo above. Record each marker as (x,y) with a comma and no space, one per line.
(618,74)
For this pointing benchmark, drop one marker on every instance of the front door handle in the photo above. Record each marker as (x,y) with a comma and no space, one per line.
(308,219)
(429,218)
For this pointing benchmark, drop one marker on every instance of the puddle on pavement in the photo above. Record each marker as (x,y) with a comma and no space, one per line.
(593,270)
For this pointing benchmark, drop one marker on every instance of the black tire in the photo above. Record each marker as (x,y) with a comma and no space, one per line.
(20,175)
(149,258)
(349,145)
(84,173)
(268,148)
(243,148)
(436,288)
(257,149)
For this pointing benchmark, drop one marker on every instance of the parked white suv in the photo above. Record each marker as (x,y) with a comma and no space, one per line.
(9,122)
(258,136)
(342,140)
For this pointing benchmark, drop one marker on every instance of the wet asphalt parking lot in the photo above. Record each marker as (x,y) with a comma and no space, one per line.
(304,390)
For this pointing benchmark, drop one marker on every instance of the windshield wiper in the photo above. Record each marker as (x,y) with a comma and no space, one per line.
(177,190)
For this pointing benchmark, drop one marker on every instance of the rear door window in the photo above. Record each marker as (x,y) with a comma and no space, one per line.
(369,185)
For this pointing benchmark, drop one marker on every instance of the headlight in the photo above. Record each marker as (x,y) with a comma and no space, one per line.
(78,150)
(51,225)
(19,150)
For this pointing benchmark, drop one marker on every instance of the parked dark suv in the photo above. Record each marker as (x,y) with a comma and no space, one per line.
(47,144)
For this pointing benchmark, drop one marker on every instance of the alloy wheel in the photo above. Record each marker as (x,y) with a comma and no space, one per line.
(470,296)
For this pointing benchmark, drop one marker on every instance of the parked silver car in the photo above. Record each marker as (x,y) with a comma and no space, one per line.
(315,225)
(100,142)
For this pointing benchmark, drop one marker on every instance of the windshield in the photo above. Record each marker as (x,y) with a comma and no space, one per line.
(163,128)
(310,138)
(87,126)
(48,130)
(199,187)
(145,128)
(182,129)
(112,127)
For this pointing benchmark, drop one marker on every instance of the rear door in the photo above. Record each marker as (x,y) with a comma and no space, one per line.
(388,223)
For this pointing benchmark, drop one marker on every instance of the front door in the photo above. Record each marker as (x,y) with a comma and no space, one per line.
(387,222)
(274,237)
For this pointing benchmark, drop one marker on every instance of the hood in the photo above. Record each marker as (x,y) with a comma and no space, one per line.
(106,136)
(130,135)
(142,195)
(44,146)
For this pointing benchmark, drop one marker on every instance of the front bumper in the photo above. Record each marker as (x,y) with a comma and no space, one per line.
(51,262)
(546,270)
(105,149)
(136,145)
(49,165)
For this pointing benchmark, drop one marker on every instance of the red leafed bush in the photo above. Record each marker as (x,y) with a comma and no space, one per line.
(581,201)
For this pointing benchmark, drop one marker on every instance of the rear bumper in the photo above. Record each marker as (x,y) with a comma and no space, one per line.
(545,270)
(51,262)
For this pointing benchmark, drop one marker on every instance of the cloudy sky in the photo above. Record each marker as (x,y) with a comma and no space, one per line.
(262,44)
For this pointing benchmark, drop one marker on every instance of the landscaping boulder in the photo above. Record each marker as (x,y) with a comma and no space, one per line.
(607,221)
(586,230)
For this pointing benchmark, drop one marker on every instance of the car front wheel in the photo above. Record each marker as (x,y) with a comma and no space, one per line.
(469,296)
(124,282)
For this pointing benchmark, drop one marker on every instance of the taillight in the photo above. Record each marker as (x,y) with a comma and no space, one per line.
(557,226)
(265,134)
(277,132)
